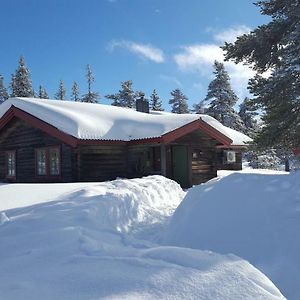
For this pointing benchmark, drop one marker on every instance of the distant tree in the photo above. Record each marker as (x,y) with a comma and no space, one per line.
(61,93)
(42,94)
(199,108)
(21,84)
(179,102)
(125,97)
(155,102)
(247,114)
(75,96)
(90,97)
(274,47)
(222,98)
(3,91)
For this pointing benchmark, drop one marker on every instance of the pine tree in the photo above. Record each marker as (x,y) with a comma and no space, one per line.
(222,98)
(199,108)
(274,47)
(75,96)
(21,84)
(125,97)
(155,102)
(61,93)
(3,91)
(90,97)
(247,114)
(42,93)
(13,86)
(179,102)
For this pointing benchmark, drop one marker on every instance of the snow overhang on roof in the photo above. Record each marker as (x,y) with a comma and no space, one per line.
(98,122)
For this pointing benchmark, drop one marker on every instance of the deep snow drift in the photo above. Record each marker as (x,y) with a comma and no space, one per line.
(254,216)
(96,241)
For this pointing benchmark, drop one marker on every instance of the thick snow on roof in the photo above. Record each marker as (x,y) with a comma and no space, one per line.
(105,122)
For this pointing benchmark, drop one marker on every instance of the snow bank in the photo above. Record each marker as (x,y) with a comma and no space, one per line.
(106,122)
(254,216)
(97,242)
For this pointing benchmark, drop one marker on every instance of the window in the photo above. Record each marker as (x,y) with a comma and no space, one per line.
(11,164)
(54,159)
(41,162)
(48,161)
(230,156)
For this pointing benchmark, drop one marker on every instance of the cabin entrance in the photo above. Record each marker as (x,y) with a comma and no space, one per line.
(180,165)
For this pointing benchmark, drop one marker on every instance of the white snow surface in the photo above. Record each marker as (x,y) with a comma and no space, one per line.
(254,214)
(97,241)
(106,122)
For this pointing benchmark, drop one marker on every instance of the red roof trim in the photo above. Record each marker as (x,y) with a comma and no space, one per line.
(34,121)
(197,124)
(73,141)
(296,151)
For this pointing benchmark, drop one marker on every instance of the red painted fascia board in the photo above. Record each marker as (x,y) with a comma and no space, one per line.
(197,124)
(296,151)
(73,141)
(36,122)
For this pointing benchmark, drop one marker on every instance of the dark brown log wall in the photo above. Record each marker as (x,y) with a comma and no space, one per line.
(19,136)
(100,163)
(203,159)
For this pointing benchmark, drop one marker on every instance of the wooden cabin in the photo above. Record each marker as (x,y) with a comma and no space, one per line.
(64,141)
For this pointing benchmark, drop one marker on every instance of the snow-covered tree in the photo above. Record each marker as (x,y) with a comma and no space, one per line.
(248,113)
(179,102)
(75,96)
(21,84)
(155,102)
(274,47)
(199,108)
(13,86)
(125,97)
(42,93)
(222,98)
(3,91)
(61,93)
(90,97)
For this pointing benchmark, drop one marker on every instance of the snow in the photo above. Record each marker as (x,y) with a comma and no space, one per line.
(106,122)
(254,214)
(101,241)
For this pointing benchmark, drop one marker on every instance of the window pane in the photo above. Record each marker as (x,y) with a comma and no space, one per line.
(41,162)
(11,164)
(54,158)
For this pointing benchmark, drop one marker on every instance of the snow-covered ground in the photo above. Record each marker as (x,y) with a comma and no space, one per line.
(254,214)
(101,240)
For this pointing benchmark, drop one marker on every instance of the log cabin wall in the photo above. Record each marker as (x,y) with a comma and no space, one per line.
(202,156)
(143,160)
(223,165)
(24,139)
(100,162)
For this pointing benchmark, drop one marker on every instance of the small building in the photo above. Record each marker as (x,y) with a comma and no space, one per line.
(65,141)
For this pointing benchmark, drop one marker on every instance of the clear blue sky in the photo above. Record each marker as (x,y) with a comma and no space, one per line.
(162,44)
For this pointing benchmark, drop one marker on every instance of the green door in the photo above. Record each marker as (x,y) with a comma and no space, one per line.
(180,165)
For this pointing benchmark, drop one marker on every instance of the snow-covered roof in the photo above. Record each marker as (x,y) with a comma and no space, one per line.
(87,121)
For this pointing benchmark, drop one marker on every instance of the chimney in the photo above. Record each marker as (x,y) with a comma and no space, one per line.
(142,105)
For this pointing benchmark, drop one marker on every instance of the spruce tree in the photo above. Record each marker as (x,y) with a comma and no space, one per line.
(179,102)
(247,114)
(21,82)
(13,86)
(3,91)
(75,96)
(199,108)
(125,97)
(90,97)
(61,93)
(155,102)
(274,47)
(221,99)
(42,93)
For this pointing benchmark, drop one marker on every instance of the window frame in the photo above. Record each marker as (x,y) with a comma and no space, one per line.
(48,174)
(14,152)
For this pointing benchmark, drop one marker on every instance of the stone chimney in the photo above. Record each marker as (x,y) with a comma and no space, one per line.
(142,105)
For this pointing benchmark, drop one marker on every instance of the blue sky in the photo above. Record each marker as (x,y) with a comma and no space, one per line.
(162,44)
